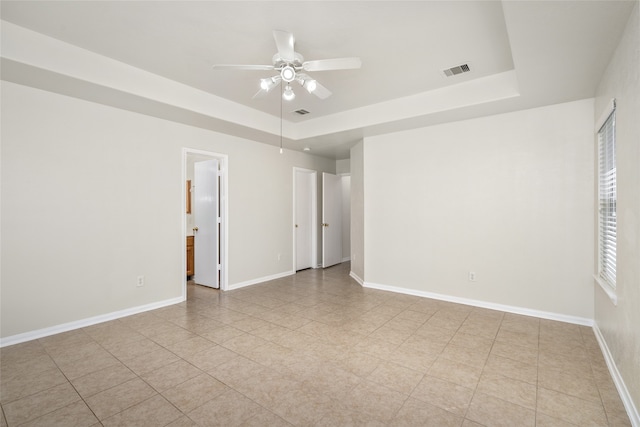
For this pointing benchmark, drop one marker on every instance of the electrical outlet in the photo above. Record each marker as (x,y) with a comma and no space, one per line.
(140,281)
(472,276)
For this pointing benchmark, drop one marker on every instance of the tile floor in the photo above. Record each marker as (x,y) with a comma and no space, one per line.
(314,349)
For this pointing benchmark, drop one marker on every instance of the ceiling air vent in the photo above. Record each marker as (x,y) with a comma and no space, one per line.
(449,72)
(301,111)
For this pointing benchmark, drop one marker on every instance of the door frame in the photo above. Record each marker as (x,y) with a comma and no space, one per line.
(314,216)
(223,160)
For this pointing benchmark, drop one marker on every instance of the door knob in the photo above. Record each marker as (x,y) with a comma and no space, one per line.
(195,228)
(296,225)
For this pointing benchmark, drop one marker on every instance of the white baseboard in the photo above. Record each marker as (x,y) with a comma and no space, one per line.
(83,323)
(625,396)
(260,280)
(477,303)
(345,259)
(357,278)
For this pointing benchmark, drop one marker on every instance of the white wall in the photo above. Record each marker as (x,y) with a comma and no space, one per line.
(620,325)
(509,197)
(357,211)
(91,198)
(346,217)
(343,166)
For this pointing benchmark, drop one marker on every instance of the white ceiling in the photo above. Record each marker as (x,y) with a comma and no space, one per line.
(522,55)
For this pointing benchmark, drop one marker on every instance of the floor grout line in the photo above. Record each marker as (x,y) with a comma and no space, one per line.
(335,310)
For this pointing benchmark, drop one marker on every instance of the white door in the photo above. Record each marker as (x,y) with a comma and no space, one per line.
(303,219)
(205,213)
(331,220)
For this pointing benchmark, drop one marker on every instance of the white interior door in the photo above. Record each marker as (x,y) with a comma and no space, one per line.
(205,211)
(303,219)
(331,220)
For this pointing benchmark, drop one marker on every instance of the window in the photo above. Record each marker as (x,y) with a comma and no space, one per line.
(607,197)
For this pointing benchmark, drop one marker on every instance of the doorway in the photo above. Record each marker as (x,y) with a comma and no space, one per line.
(332,217)
(305,214)
(205,215)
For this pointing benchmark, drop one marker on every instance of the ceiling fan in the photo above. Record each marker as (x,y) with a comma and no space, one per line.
(291,66)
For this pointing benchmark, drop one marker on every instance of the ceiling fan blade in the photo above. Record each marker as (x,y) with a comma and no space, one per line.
(332,64)
(243,67)
(284,42)
(260,94)
(321,91)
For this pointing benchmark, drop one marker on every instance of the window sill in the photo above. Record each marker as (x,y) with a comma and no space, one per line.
(611,293)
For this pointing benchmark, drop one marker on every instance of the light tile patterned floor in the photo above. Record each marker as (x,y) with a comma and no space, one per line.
(314,349)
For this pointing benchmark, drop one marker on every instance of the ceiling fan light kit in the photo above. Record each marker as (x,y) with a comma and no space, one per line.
(310,85)
(307,82)
(288,73)
(288,94)
(269,83)
(289,64)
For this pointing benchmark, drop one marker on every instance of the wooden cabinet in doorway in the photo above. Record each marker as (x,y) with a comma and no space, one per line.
(190,252)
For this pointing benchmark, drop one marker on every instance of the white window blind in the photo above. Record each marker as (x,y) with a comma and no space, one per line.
(607,196)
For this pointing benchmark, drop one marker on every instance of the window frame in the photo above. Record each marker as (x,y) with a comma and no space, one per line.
(607,201)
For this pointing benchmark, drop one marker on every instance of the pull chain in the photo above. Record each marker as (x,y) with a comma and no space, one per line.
(281,94)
